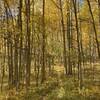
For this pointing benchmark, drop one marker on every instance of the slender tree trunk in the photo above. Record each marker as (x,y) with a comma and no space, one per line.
(78,45)
(64,38)
(43,44)
(94,27)
(28,44)
(21,40)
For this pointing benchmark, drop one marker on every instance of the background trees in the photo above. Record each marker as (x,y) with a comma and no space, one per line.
(38,36)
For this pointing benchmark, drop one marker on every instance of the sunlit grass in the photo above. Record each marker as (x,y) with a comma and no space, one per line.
(58,86)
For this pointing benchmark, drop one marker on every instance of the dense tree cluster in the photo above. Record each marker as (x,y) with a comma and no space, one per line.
(36,35)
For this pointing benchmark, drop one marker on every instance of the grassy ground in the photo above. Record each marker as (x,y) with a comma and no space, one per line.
(61,87)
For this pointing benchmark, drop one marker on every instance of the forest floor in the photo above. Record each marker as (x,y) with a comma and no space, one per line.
(58,86)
